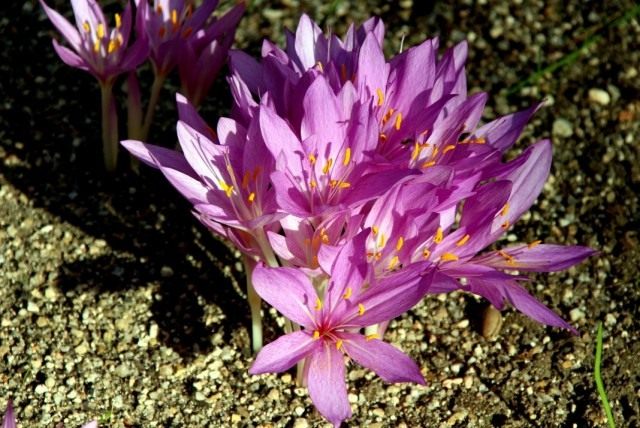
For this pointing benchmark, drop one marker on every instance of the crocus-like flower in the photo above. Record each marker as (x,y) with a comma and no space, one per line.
(206,53)
(105,53)
(9,420)
(95,47)
(168,25)
(331,324)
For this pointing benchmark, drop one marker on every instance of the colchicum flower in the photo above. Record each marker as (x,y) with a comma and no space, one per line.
(181,34)
(9,420)
(331,325)
(364,184)
(103,52)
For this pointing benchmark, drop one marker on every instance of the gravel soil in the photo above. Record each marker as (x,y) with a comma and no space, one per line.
(116,304)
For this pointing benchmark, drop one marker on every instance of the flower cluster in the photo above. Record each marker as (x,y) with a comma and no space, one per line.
(354,186)
(168,33)
(9,419)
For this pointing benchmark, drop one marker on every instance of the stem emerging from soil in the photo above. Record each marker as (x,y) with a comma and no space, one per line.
(156,88)
(109,127)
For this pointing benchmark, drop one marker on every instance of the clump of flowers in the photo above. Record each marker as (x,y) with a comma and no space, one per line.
(164,33)
(9,419)
(354,186)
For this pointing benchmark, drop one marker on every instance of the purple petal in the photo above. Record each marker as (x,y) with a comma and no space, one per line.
(69,57)
(280,140)
(308,43)
(504,131)
(528,179)
(536,258)
(247,69)
(9,420)
(66,29)
(284,353)
(289,291)
(390,297)
(326,383)
(373,69)
(385,360)
(173,165)
(528,305)
(189,115)
(349,270)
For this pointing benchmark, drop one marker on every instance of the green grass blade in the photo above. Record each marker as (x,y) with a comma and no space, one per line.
(599,385)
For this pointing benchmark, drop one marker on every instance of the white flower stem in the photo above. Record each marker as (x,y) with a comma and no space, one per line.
(254,305)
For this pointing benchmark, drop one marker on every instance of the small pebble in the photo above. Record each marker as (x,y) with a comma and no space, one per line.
(562,128)
(599,96)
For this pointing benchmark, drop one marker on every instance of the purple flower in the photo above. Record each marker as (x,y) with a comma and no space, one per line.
(9,420)
(168,25)
(331,325)
(95,47)
(228,185)
(206,53)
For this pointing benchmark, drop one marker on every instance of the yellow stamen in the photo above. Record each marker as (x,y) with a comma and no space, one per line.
(323,236)
(100,31)
(463,240)
(480,140)
(380,97)
(398,121)
(372,336)
(174,17)
(344,185)
(387,116)
(320,67)
(506,224)
(251,197)
(382,241)
(394,261)
(428,164)
(448,148)
(361,309)
(318,304)
(426,253)
(312,159)
(439,235)
(383,136)
(327,166)
(505,210)
(113,45)
(338,344)
(313,184)
(448,257)
(416,151)
(347,293)
(534,244)
(400,243)
(316,335)
(347,156)
(226,188)
(118,20)
(96,46)
(86,27)
(374,230)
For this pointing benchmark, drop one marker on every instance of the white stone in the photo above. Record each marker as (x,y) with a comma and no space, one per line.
(599,96)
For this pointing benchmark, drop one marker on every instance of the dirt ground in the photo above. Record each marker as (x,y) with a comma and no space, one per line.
(116,304)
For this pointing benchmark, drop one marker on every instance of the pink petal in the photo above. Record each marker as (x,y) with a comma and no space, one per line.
(528,305)
(326,383)
(284,353)
(289,291)
(9,420)
(538,258)
(66,29)
(385,360)
(70,58)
